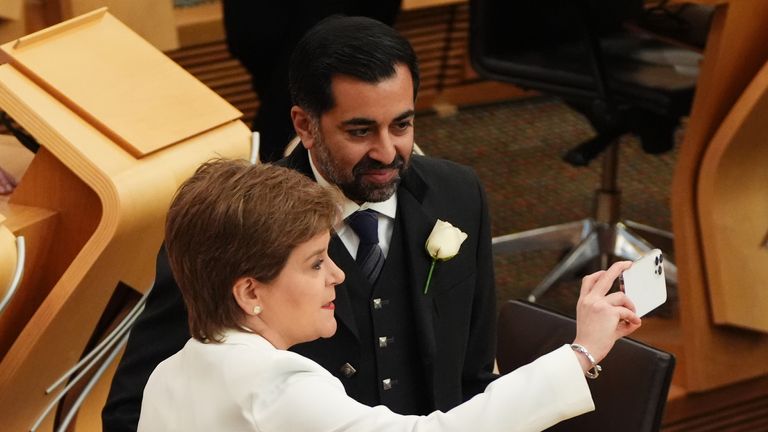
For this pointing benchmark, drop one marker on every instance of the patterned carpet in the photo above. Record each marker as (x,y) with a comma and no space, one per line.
(516,149)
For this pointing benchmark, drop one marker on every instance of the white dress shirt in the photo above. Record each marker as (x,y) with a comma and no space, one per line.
(246,384)
(386,211)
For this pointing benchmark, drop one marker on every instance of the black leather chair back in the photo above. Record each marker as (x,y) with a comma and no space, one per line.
(631,391)
(577,50)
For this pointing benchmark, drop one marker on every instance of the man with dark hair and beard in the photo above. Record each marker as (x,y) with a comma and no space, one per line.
(408,337)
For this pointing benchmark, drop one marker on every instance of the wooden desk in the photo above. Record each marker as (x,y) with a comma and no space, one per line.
(93,200)
(713,355)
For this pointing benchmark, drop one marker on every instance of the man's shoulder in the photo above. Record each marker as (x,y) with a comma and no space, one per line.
(437,170)
(297,160)
(433,167)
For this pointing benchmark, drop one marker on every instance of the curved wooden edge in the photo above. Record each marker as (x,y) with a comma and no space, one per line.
(735,51)
(123,229)
(733,204)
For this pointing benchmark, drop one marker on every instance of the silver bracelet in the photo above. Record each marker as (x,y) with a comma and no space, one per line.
(595,370)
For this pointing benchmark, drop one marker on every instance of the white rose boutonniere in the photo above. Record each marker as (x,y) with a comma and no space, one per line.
(443,244)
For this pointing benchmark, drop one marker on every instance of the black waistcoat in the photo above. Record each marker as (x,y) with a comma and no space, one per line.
(389,371)
(385,310)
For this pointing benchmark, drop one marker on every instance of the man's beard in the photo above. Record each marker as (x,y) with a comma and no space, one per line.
(353,184)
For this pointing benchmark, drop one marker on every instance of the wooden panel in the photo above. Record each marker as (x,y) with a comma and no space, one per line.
(120,83)
(14,157)
(438,36)
(199,24)
(735,51)
(11,9)
(420,4)
(57,229)
(733,204)
(153,20)
(38,226)
(11,29)
(741,407)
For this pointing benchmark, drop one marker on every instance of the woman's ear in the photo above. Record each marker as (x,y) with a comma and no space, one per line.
(246,291)
(302,124)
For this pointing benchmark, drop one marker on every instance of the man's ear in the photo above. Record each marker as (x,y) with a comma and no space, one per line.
(302,123)
(246,291)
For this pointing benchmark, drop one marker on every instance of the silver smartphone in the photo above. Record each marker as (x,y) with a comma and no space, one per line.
(644,282)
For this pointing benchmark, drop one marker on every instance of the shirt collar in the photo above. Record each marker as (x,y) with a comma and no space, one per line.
(387,207)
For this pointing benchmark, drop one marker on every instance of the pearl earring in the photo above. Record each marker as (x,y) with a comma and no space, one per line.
(257,310)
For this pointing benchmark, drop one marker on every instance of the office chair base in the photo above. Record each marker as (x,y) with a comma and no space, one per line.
(589,240)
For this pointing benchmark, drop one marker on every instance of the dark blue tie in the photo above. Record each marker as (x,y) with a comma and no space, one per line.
(370,257)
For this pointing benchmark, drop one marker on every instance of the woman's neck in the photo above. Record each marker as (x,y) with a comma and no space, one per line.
(257,326)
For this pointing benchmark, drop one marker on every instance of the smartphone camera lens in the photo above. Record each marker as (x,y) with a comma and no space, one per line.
(656,261)
(661,259)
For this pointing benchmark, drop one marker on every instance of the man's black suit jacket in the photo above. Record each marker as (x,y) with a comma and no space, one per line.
(455,320)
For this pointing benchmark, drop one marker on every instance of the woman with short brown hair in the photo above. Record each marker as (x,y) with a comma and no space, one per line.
(248,246)
(231,220)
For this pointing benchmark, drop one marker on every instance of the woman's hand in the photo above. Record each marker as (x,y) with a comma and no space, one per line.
(602,318)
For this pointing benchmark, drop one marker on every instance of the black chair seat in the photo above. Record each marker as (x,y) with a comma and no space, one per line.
(631,392)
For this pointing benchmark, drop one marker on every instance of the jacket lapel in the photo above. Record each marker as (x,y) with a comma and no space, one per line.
(341,257)
(417,224)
